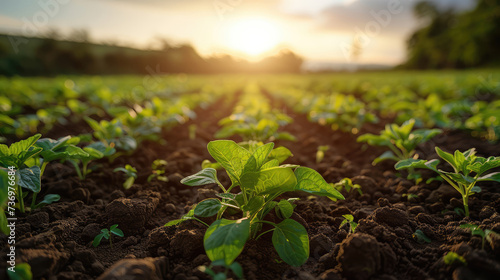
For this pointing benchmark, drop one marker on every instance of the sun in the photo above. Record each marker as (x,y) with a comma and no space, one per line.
(252,36)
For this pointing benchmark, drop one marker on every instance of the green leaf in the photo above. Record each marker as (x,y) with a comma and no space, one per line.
(188,216)
(208,207)
(203,177)
(385,156)
(23,272)
(18,148)
(97,239)
(129,182)
(254,204)
(448,158)
(237,269)
(281,154)
(285,208)
(291,242)
(29,178)
(258,158)
(117,232)
(225,239)
(48,199)
(231,156)
(417,163)
(490,177)
(310,181)
(268,181)
(270,164)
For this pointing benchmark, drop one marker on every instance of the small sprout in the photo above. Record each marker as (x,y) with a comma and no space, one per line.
(235,267)
(105,233)
(192,131)
(452,257)
(420,237)
(131,174)
(347,184)
(158,168)
(349,219)
(320,154)
(460,212)
(484,234)
(410,196)
(468,169)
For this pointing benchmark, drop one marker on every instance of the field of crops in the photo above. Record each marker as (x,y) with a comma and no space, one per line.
(389,175)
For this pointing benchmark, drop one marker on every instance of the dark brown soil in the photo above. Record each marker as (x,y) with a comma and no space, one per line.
(56,239)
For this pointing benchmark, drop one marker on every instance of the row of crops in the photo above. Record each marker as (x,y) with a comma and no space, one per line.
(121,116)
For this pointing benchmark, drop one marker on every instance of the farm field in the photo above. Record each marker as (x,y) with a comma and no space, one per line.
(331,198)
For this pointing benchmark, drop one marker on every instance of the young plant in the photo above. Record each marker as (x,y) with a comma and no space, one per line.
(158,168)
(484,234)
(401,141)
(235,267)
(62,149)
(131,174)
(452,257)
(347,185)
(420,237)
(27,177)
(468,169)
(96,150)
(349,219)
(114,135)
(107,234)
(320,153)
(261,179)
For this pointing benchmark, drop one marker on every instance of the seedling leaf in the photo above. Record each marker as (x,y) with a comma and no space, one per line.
(204,177)
(291,242)
(225,239)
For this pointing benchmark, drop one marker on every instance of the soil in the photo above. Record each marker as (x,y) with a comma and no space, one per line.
(56,239)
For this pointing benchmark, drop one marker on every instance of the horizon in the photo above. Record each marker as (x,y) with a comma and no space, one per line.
(322,33)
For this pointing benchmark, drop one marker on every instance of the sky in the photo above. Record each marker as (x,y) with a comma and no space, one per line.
(321,31)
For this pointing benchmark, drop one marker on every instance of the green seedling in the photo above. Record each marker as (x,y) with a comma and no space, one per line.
(22,272)
(261,179)
(410,196)
(62,149)
(158,168)
(347,185)
(96,150)
(349,219)
(420,237)
(192,131)
(320,153)
(113,134)
(486,234)
(235,267)
(15,158)
(107,234)
(452,257)
(131,174)
(468,169)
(401,141)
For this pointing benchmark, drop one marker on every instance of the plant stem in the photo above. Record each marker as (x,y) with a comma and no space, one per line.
(33,201)
(44,164)
(77,168)
(465,198)
(20,198)
(264,233)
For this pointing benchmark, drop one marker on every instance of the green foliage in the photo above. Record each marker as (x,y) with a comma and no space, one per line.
(130,173)
(254,120)
(486,234)
(158,166)
(320,153)
(235,267)
(349,219)
(261,179)
(95,151)
(17,156)
(401,141)
(468,169)
(113,134)
(452,257)
(23,272)
(107,234)
(420,237)
(347,185)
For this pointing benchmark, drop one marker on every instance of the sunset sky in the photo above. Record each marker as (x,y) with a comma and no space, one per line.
(321,30)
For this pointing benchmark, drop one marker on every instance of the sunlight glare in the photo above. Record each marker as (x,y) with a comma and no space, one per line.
(252,36)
